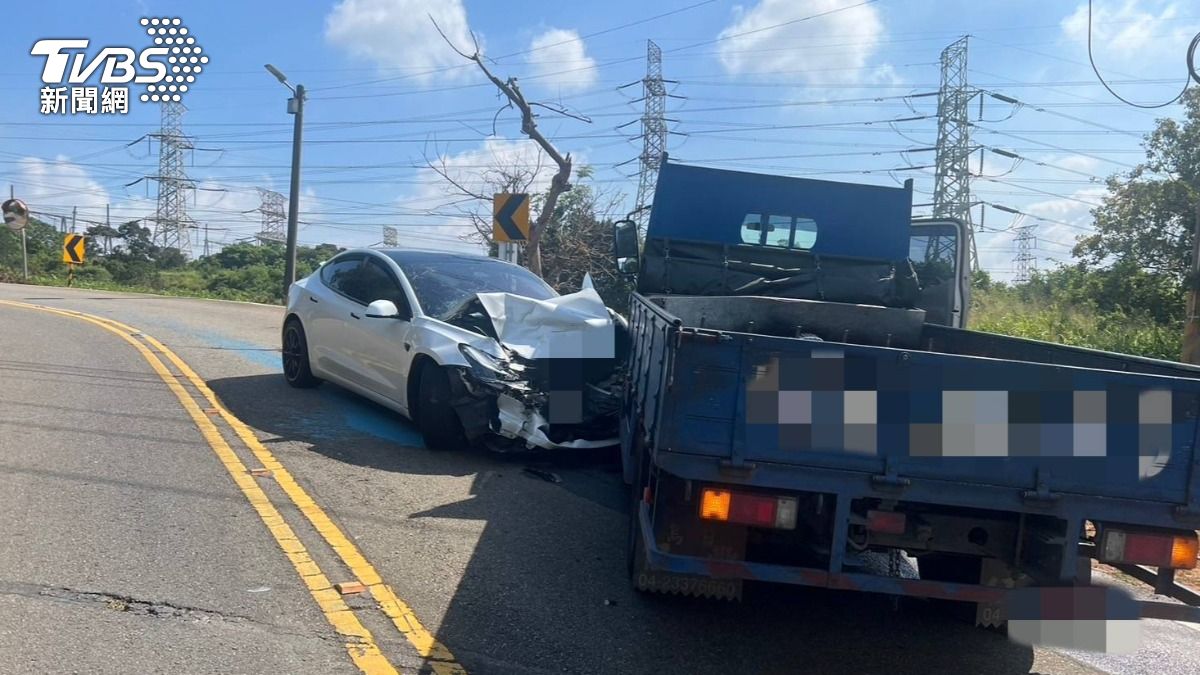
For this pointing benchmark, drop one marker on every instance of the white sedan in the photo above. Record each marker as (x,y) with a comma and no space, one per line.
(472,349)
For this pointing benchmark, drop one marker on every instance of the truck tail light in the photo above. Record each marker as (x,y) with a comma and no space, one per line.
(1158,549)
(748,508)
(886,522)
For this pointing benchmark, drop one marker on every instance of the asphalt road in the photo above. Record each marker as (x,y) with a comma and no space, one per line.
(128,546)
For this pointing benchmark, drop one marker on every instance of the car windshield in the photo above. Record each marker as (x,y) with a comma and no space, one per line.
(442,286)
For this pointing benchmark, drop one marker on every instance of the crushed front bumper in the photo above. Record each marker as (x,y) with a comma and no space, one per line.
(514,411)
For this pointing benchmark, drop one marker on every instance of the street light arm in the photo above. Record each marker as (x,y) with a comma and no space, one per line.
(280,76)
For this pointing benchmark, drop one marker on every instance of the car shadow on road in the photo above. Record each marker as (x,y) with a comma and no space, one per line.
(545,587)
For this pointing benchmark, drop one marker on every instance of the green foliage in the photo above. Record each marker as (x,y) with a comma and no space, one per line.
(1012,312)
(579,241)
(126,258)
(44,244)
(1149,216)
(981,280)
(1126,291)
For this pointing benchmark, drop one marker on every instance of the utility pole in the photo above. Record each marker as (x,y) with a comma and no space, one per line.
(1191,328)
(952,174)
(170,216)
(295,107)
(654,132)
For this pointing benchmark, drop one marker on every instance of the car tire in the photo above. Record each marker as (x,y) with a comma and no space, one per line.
(437,420)
(296,368)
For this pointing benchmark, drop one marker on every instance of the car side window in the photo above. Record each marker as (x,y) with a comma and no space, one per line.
(341,274)
(378,283)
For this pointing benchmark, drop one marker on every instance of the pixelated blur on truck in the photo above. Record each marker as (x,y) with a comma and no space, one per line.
(804,406)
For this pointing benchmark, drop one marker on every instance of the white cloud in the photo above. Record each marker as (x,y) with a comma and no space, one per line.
(57,185)
(799,47)
(399,34)
(1082,163)
(1054,240)
(1077,210)
(1146,28)
(54,188)
(446,220)
(559,58)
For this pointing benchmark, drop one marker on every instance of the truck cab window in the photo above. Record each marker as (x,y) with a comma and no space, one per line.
(933,257)
(752,228)
(933,251)
(804,233)
(779,231)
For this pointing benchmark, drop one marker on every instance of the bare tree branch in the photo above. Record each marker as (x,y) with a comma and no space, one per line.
(442,170)
(560,183)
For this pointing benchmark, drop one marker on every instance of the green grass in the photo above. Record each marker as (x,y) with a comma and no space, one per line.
(1008,314)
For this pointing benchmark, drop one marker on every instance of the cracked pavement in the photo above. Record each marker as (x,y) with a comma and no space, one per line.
(125,545)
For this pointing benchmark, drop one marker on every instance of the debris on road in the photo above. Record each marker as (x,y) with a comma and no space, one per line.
(350,588)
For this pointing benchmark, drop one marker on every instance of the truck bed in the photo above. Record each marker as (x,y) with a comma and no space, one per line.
(909,401)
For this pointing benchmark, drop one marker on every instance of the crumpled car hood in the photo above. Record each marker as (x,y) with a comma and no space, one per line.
(556,380)
(573,326)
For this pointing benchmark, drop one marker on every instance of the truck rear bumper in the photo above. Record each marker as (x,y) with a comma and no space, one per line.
(850,581)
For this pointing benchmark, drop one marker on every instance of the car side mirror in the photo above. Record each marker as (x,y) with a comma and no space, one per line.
(383,309)
(626,248)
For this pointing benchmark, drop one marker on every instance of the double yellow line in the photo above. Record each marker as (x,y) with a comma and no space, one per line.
(359,642)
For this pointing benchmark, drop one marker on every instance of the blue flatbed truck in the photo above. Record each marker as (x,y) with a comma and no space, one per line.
(804,406)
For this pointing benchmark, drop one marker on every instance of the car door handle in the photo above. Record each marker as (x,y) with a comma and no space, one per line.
(313,299)
(355,315)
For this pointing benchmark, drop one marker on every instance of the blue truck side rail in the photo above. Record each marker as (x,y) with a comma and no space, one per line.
(1047,441)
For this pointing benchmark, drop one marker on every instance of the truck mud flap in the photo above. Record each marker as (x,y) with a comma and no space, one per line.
(676,529)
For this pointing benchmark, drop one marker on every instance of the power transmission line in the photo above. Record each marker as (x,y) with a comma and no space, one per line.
(1187,80)
(274,216)
(1025,261)
(654,132)
(952,175)
(170,216)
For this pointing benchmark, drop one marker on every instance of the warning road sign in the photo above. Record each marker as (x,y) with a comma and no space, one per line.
(73,249)
(510,217)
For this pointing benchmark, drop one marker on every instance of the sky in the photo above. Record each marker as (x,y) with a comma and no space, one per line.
(755,86)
